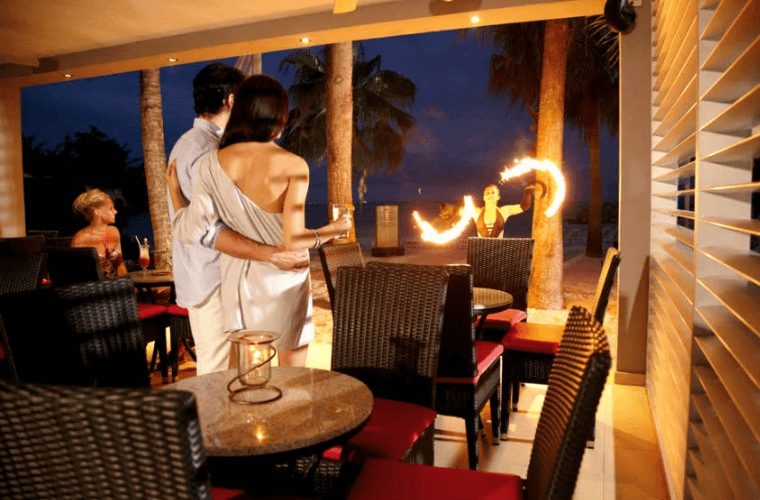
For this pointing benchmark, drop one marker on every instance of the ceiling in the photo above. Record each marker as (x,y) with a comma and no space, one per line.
(43,40)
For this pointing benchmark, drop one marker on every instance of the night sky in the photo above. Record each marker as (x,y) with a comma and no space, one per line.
(463,138)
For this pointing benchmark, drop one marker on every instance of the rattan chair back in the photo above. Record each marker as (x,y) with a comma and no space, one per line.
(58,243)
(21,272)
(457,357)
(502,264)
(335,256)
(46,233)
(73,265)
(85,442)
(604,286)
(39,347)
(387,329)
(22,245)
(577,379)
(104,318)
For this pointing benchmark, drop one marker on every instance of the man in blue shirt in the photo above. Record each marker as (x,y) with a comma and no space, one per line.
(196,268)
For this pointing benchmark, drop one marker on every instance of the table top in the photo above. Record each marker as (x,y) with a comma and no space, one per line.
(489,300)
(152,277)
(316,407)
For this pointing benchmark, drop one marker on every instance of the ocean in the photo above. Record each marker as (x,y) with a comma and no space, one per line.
(518,226)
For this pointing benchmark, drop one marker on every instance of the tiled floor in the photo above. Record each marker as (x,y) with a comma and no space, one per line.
(625,463)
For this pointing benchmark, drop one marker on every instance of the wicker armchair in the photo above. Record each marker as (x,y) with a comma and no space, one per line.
(104,318)
(575,388)
(386,332)
(469,370)
(22,245)
(21,272)
(46,233)
(81,443)
(335,256)
(530,348)
(39,347)
(503,264)
(73,265)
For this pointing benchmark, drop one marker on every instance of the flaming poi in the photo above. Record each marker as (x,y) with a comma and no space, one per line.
(428,233)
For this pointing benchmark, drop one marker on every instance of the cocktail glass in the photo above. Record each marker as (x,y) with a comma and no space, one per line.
(144,258)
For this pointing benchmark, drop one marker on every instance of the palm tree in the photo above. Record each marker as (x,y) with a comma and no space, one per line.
(547,269)
(379,118)
(152,123)
(514,73)
(338,117)
(592,105)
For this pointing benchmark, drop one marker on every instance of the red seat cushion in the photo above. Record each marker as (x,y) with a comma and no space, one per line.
(535,338)
(486,353)
(225,494)
(504,320)
(147,311)
(391,430)
(176,310)
(388,480)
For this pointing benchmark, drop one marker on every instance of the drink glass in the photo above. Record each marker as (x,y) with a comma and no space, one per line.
(144,258)
(338,210)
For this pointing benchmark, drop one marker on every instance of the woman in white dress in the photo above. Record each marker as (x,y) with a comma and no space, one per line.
(258,189)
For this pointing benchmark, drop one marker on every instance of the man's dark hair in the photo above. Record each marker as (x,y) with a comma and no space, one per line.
(259,113)
(212,85)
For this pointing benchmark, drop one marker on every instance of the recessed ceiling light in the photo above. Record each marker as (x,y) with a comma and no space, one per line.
(305,39)
(173,59)
(67,75)
(475,19)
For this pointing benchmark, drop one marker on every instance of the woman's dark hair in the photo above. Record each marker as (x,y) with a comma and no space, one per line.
(212,85)
(259,112)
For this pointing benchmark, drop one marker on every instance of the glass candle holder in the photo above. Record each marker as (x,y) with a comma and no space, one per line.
(255,352)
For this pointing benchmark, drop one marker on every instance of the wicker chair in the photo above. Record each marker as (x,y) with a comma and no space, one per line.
(39,347)
(67,266)
(335,256)
(104,318)
(530,348)
(58,243)
(22,245)
(85,442)
(575,388)
(73,265)
(21,272)
(469,370)
(386,332)
(47,233)
(502,264)
(181,333)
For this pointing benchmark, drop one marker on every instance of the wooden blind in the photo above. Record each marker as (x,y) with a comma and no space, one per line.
(703,358)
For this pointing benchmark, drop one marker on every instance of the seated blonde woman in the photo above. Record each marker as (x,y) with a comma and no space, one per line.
(97,207)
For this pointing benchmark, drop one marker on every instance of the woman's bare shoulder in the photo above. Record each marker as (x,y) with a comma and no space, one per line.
(291,161)
(81,239)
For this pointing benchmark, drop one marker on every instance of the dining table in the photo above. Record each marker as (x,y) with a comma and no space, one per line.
(148,280)
(488,301)
(318,409)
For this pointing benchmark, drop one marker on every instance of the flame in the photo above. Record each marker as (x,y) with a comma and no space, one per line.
(433,236)
(526,165)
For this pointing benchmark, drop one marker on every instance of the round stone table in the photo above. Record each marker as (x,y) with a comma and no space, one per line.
(318,409)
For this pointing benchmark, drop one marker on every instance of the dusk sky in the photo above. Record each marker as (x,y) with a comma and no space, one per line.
(463,137)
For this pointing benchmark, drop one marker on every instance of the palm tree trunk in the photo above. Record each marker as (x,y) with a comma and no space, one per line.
(152,121)
(339,118)
(594,231)
(547,270)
